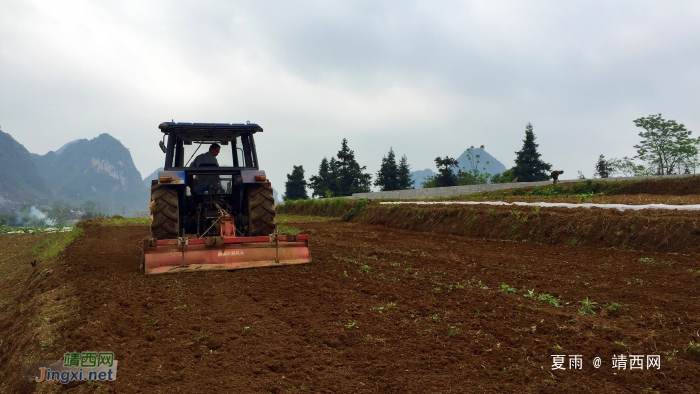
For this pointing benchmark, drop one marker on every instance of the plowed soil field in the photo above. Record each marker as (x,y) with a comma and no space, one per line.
(381,310)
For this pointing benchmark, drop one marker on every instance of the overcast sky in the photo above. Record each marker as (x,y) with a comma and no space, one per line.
(428,78)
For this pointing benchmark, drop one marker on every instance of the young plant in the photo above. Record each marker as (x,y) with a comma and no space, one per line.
(549,299)
(507,289)
(529,293)
(692,351)
(537,210)
(613,308)
(587,307)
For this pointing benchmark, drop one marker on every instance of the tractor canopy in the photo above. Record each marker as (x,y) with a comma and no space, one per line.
(186,140)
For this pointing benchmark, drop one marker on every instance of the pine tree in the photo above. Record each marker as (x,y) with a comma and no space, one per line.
(320,183)
(351,178)
(528,166)
(603,167)
(392,176)
(295,187)
(388,175)
(325,184)
(405,180)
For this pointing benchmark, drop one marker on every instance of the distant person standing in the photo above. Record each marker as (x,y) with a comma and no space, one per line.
(208,159)
(555,176)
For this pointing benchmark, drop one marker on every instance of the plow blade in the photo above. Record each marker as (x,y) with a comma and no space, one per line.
(223,253)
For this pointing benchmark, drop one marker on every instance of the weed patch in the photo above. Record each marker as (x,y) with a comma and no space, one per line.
(120,221)
(692,351)
(52,246)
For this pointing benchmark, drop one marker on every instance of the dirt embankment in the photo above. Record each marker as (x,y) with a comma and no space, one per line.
(650,230)
(689,185)
(35,305)
(635,199)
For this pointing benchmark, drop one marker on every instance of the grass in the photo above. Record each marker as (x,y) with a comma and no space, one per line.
(126,221)
(52,246)
(284,229)
(360,206)
(286,217)
(334,207)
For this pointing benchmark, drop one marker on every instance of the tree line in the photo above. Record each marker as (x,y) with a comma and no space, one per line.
(342,175)
(666,148)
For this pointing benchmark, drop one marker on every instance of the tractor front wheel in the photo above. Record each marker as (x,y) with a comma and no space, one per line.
(261,210)
(165,220)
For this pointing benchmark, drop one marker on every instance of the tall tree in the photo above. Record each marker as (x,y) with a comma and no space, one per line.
(351,178)
(295,187)
(392,176)
(528,165)
(405,180)
(388,174)
(666,145)
(504,177)
(603,168)
(323,183)
(627,167)
(446,173)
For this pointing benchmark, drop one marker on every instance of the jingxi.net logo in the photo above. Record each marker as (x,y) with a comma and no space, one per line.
(83,366)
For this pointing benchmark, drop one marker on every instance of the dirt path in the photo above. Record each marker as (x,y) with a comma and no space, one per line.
(384,310)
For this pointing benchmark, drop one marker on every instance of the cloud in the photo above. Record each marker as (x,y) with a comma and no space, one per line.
(429,79)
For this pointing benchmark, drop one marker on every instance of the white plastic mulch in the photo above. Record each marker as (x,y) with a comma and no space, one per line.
(30,230)
(621,207)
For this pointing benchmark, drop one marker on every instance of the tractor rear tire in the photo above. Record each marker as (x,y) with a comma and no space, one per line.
(165,222)
(261,210)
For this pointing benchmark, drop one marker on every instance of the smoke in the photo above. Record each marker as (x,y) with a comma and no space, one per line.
(36,213)
(30,216)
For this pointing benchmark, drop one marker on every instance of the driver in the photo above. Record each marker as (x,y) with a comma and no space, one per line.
(208,159)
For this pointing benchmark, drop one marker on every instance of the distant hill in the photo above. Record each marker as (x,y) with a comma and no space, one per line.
(100,170)
(493,167)
(420,176)
(61,149)
(154,175)
(20,181)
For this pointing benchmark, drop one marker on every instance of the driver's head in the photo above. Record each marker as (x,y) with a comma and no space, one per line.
(214,149)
